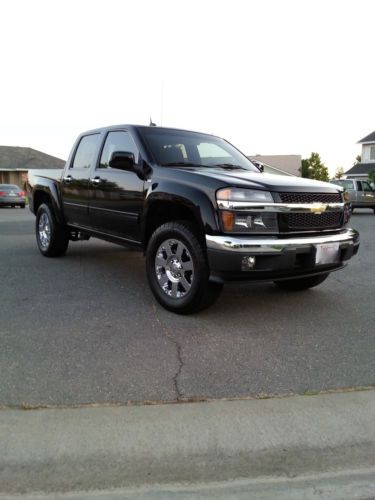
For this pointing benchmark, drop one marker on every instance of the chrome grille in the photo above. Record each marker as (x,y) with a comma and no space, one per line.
(311,221)
(310,197)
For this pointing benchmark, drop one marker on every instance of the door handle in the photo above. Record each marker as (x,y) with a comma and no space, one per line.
(68,179)
(95,181)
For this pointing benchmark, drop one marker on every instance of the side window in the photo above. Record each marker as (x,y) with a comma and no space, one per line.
(86,150)
(359,185)
(366,186)
(117,141)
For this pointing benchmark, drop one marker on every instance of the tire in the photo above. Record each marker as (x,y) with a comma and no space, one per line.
(52,237)
(22,206)
(177,269)
(302,283)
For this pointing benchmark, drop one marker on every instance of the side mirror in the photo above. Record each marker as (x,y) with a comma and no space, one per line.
(258,165)
(123,160)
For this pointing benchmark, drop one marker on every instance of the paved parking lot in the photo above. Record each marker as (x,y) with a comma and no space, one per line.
(85,329)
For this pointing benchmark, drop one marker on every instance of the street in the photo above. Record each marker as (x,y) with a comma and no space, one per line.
(85,329)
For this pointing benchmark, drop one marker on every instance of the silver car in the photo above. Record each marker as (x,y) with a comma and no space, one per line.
(361,194)
(12,195)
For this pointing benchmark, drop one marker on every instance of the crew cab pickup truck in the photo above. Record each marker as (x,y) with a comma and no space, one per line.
(361,194)
(200,211)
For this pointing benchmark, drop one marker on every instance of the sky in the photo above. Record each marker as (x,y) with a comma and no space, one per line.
(271,76)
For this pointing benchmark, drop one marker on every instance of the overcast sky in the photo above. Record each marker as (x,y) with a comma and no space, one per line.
(273,77)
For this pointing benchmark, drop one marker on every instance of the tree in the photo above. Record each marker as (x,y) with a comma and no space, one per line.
(339,172)
(314,168)
(305,168)
(358,159)
(371,176)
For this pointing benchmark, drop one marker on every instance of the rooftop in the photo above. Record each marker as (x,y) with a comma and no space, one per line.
(361,169)
(368,138)
(19,158)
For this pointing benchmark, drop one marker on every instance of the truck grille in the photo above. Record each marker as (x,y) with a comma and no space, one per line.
(310,197)
(328,220)
(311,221)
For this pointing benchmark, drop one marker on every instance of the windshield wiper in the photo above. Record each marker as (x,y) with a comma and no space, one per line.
(230,166)
(181,164)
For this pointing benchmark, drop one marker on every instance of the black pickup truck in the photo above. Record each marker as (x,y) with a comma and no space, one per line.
(198,208)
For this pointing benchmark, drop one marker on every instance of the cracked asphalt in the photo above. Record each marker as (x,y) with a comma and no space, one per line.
(85,329)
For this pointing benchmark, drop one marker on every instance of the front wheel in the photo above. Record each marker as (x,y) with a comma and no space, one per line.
(52,237)
(177,269)
(302,283)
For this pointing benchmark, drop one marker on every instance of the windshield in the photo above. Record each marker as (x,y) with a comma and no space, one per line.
(191,149)
(344,183)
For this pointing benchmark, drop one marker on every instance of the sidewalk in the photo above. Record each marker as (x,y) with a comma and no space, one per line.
(220,449)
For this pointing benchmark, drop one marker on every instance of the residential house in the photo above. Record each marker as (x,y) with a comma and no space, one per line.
(279,164)
(15,162)
(367,163)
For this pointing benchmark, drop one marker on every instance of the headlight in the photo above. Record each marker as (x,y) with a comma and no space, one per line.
(236,217)
(236,194)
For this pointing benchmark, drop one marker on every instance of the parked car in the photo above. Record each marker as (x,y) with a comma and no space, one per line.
(12,195)
(361,194)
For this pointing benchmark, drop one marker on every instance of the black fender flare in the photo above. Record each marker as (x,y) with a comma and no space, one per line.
(190,197)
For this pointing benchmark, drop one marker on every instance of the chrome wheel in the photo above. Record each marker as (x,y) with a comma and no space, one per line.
(174,268)
(44,230)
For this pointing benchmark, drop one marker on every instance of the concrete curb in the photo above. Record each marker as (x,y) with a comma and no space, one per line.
(72,450)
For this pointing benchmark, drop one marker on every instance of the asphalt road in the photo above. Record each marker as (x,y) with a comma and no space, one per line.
(85,329)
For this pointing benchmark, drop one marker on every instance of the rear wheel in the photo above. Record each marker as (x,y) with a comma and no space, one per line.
(177,269)
(302,283)
(52,237)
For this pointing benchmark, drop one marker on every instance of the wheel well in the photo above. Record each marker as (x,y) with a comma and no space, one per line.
(39,198)
(161,212)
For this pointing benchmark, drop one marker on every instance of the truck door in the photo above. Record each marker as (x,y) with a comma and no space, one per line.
(116,196)
(75,182)
(366,195)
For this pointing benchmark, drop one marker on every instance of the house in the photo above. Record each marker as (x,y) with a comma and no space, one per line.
(367,163)
(279,164)
(15,162)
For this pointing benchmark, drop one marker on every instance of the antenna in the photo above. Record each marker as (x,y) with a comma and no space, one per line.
(161,102)
(152,124)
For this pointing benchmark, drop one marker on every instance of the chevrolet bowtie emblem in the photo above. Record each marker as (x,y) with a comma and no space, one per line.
(318,208)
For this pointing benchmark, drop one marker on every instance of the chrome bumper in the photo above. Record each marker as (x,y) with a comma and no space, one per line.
(274,245)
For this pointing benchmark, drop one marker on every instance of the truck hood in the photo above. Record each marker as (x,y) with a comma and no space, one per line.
(269,182)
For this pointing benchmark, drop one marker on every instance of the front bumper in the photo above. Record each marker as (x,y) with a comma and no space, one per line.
(276,258)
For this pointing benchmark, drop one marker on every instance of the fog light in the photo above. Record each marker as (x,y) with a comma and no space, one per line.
(247,263)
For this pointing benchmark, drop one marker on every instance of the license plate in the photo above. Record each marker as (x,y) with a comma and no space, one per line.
(327,253)
(12,194)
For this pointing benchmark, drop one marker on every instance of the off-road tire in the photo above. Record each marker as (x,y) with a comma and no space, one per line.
(302,283)
(52,238)
(197,294)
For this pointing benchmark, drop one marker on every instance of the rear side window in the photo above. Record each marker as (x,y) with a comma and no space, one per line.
(85,153)
(366,186)
(9,187)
